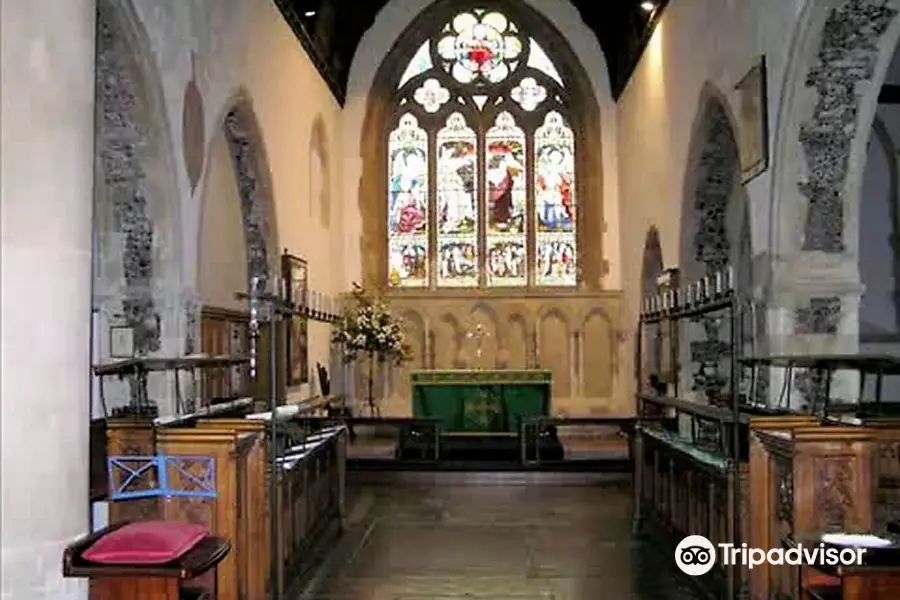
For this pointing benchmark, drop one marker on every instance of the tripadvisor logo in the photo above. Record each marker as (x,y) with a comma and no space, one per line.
(696,555)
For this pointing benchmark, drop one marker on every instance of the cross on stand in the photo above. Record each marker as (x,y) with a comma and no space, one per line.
(478,335)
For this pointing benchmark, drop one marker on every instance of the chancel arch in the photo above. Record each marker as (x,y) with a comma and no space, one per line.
(137,249)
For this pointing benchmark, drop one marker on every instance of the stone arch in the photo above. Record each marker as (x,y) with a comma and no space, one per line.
(137,223)
(838,61)
(839,58)
(319,159)
(254,179)
(599,335)
(586,122)
(713,200)
(652,264)
(714,216)
(555,349)
(881,209)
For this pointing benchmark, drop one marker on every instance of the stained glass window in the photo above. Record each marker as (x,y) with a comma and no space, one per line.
(420,63)
(499,207)
(554,199)
(408,203)
(507,199)
(457,214)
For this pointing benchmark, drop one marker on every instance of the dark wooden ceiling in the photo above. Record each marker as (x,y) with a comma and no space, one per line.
(330,31)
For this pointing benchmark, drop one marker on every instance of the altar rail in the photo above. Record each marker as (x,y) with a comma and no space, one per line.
(542,443)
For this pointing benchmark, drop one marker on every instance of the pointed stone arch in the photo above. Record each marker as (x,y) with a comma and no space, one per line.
(137,225)
(254,179)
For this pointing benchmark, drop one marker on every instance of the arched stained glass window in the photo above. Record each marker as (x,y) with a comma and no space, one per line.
(481,165)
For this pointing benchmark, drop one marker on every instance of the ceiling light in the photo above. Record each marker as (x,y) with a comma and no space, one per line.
(648,6)
(312,13)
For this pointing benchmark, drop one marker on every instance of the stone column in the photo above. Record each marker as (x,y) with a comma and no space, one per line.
(46,189)
(814,309)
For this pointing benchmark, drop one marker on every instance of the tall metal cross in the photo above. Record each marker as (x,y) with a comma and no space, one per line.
(478,335)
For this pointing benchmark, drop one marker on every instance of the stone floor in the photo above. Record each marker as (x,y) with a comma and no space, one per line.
(499,542)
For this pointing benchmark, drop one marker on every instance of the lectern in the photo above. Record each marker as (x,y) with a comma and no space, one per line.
(167,581)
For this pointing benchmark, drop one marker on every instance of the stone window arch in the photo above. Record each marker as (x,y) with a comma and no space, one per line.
(480,140)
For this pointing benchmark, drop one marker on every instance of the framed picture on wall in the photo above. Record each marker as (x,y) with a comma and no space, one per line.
(753,125)
(295,273)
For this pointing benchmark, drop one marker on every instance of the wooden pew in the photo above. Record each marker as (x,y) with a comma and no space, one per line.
(806,479)
(132,437)
(226,515)
(252,546)
(310,500)
(886,470)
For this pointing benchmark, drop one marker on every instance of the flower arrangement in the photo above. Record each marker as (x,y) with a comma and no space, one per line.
(368,329)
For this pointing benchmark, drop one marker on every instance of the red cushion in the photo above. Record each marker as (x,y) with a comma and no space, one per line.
(146,543)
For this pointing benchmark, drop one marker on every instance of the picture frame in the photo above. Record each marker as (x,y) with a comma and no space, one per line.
(753,121)
(121,341)
(295,275)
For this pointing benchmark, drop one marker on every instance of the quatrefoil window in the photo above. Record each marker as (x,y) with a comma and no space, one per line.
(529,93)
(432,95)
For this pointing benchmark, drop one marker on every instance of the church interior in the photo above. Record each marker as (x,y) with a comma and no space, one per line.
(445,299)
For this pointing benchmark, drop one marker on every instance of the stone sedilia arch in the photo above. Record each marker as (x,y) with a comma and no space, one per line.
(137,254)
(840,54)
(715,236)
(580,103)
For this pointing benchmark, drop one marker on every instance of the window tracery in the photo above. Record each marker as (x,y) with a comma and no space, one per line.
(481,162)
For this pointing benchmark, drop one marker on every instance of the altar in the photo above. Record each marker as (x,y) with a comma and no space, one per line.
(480,401)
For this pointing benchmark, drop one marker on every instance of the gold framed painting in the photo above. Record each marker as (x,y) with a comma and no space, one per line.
(295,273)
(753,121)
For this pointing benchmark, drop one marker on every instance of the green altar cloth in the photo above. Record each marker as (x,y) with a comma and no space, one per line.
(473,401)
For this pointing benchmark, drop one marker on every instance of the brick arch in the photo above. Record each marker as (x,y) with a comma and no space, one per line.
(137,223)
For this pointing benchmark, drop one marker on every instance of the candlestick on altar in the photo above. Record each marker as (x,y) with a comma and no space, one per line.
(729,278)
